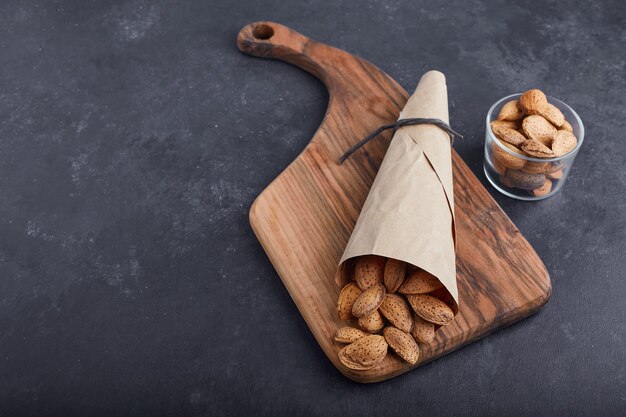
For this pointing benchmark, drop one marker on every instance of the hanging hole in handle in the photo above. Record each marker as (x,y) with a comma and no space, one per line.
(263,31)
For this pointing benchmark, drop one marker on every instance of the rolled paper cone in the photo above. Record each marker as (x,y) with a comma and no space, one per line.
(409,211)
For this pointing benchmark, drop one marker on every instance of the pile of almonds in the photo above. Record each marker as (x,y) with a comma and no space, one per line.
(386,296)
(531,127)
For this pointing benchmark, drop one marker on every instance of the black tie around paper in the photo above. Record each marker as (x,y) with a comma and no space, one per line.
(395,126)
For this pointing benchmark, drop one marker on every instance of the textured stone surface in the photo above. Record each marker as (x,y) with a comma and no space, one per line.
(134,137)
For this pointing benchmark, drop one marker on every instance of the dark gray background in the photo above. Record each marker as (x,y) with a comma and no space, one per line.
(134,137)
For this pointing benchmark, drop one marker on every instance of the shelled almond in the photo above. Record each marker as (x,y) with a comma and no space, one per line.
(530,127)
(390,297)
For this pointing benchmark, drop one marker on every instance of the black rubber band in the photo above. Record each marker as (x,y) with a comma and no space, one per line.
(395,126)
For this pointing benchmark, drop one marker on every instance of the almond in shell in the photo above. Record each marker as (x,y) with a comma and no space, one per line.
(368,270)
(555,166)
(537,149)
(536,167)
(525,180)
(397,311)
(402,343)
(349,363)
(539,129)
(543,190)
(509,124)
(349,334)
(533,101)
(423,331)
(347,297)
(564,142)
(365,353)
(419,282)
(556,175)
(552,114)
(567,126)
(505,158)
(510,111)
(542,167)
(506,181)
(395,270)
(511,136)
(372,322)
(431,309)
(369,300)
(498,167)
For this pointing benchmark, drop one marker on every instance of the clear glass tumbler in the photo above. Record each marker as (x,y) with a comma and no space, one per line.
(523,177)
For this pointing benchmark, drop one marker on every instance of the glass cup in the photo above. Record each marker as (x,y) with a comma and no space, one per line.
(524,177)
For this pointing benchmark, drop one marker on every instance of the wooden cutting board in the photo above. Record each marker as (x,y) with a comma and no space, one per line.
(305,216)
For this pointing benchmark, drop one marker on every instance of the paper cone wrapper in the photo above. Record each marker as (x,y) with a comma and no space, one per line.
(409,211)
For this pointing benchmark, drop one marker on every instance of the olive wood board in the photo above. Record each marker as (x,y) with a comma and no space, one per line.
(304,218)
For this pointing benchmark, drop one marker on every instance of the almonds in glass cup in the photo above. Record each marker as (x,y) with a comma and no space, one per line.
(531,143)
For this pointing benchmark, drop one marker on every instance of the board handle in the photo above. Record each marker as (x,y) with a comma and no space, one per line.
(273,40)
(354,85)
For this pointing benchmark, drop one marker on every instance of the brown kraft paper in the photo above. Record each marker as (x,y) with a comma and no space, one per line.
(409,211)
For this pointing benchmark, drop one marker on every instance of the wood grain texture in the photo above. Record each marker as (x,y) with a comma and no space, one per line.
(305,216)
